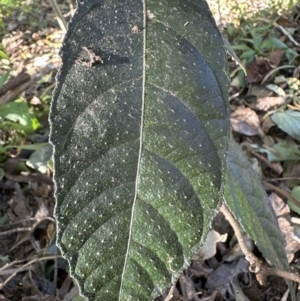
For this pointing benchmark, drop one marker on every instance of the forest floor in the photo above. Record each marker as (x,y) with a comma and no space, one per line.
(266,39)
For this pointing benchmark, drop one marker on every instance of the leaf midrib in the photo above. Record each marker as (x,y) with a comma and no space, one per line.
(140,150)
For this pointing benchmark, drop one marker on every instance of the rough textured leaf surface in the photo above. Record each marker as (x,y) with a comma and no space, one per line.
(140,129)
(247,200)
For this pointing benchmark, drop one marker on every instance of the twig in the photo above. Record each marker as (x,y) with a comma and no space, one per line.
(13,94)
(13,83)
(71,294)
(29,229)
(266,161)
(275,70)
(15,230)
(256,265)
(60,18)
(282,179)
(170,294)
(295,220)
(276,272)
(55,272)
(282,192)
(284,31)
(253,260)
(30,178)
(24,268)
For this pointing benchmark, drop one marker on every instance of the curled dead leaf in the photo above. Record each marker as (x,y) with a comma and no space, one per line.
(265,103)
(267,124)
(245,121)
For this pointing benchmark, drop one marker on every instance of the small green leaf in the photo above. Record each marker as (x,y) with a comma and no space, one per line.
(4,77)
(273,43)
(289,122)
(247,200)
(16,111)
(3,220)
(276,89)
(35,124)
(39,159)
(248,54)
(17,116)
(251,41)
(241,47)
(293,83)
(3,55)
(290,54)
(282,151)
(296,194)
(257,40)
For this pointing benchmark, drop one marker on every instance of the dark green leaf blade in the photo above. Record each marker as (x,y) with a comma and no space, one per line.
(247,200)
(140,128)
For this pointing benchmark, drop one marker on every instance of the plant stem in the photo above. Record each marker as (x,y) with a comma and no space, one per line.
(256,265)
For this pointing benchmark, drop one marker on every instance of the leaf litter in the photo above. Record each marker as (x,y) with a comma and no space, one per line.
(268,126)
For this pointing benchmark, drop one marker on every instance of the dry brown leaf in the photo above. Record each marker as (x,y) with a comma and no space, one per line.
(49,298)
(18,206)
(222,277)
(257,69)
(265,103)
(42,209)
(296,72)
(286,22)
(292,172)
(188,288)
(71,294)
(200,268)
(275,57)
(245,121)
(291,244)
(295,171)
(208,250)
(259,91)
(267,124)
(65,288)
(268,141)
(282,212)
(279,206)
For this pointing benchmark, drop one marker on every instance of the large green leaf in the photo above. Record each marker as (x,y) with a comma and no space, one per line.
(247,200)
(140,131)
